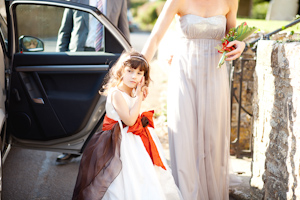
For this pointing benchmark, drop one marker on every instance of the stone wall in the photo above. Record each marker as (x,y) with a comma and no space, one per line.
(276,121)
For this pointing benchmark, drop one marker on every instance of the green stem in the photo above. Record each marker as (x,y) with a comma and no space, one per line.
(222,60)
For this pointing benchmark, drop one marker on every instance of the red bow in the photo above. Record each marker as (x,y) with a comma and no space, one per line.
(146,137)
(108,123)
(140,128)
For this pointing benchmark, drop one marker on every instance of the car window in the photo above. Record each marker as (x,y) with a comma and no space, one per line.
(3,24)
(55,29)
(2,9)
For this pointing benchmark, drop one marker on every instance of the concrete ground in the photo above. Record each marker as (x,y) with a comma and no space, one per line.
(242,168)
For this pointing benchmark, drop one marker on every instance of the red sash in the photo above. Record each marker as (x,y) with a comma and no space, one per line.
(140,128)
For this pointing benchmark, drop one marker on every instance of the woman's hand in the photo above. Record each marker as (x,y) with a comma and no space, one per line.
(234,54)
(170,59)
(142,89)
(145,92)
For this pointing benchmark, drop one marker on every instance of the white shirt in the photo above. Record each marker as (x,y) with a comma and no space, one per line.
(93,22)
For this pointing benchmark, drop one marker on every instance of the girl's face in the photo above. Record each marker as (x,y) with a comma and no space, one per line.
(132,77)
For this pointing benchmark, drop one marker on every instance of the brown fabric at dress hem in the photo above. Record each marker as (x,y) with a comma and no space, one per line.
(100,165)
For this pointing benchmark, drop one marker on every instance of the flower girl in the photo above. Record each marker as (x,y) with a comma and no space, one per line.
(125,160)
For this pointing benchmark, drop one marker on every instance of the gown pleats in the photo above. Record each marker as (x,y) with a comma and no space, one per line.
(198,111)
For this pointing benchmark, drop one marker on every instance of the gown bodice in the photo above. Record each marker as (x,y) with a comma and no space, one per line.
(110,110)
(197,27)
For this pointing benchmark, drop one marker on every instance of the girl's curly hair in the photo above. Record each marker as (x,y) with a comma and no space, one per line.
(131,59)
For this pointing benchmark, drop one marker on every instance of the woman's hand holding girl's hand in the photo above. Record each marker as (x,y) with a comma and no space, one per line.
(170,59)
(141,89)
(239,48)
(144,89)
(145,92)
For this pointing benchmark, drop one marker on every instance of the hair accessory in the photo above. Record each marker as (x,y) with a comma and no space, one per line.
(139,57)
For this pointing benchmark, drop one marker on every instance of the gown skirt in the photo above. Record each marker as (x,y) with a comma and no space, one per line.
(116,165)
(199,111)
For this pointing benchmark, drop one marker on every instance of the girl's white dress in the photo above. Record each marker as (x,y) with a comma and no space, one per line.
(139,179)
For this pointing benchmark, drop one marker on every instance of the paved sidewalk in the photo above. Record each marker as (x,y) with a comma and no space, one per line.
(241,167)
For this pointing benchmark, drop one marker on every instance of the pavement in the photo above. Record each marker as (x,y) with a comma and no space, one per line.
(241,168)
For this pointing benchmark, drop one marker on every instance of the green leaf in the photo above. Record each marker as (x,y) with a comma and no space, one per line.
(246,33)
(292,32)
(231,39)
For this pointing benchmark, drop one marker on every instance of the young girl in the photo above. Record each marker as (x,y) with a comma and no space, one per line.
(125,160)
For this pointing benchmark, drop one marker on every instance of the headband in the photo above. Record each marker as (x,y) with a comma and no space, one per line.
(139,57)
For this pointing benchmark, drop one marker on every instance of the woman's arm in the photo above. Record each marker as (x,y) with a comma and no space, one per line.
(231,15)
(231,22)
(163,22)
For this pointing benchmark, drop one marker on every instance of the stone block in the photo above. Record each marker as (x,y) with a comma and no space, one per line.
(276,121)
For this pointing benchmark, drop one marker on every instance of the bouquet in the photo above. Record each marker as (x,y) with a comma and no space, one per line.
(239,33)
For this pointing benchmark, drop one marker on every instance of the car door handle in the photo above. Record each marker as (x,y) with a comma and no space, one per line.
(38,100)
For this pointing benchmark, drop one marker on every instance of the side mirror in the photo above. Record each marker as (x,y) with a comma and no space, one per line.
(30,44)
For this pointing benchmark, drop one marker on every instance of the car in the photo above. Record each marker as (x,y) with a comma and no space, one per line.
(50,100)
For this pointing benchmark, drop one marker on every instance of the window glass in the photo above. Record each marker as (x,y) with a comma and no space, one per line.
(3,24)
(2,9)
(57,29)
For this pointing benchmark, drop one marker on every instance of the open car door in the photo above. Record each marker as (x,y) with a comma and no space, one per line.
(53,97)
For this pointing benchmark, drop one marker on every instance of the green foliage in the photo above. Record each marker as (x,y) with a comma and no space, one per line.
(148,13)
(259,10)
(137,3)
(258,1)
(268,25)
(134,5)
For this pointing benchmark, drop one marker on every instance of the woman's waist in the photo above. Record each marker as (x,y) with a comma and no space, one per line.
(196,46)
(198,39)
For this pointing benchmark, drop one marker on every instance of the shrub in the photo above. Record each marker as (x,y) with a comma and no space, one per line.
(134,4)
(259,10)
(148,13)
(137,3)
(133,12)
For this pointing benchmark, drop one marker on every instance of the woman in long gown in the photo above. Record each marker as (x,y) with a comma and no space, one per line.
(198,95)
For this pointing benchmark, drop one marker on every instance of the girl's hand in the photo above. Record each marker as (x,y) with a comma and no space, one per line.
(234,54)
(139,88)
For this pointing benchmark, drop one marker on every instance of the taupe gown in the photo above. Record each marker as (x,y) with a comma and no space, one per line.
(198,110)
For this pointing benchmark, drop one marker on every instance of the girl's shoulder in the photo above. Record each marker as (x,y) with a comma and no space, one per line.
(117,97)
(116,94)
(112,90)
